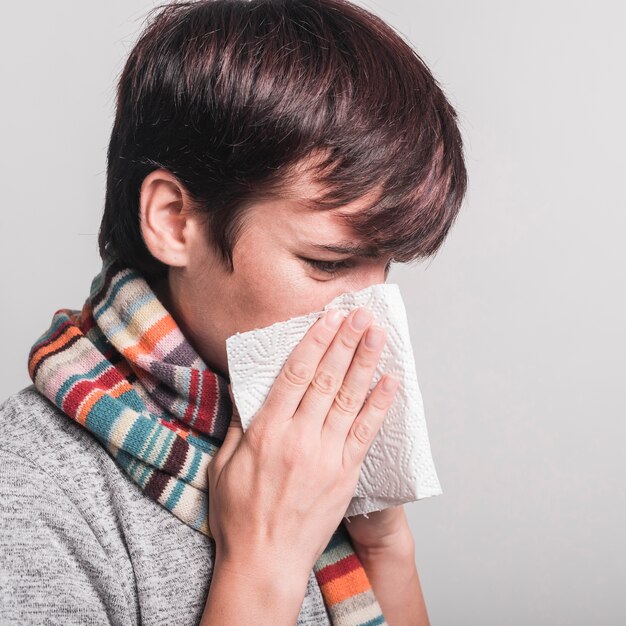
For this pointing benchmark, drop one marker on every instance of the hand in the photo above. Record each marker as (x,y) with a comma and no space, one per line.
(282,487)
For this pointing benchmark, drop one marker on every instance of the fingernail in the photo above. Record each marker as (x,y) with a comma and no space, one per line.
(333,319)
(361,319)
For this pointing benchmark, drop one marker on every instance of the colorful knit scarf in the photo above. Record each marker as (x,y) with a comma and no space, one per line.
(122,369)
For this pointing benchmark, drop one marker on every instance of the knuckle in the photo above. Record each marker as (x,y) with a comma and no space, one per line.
(321,339)
(289,458)
(348,341)
(255,439)
(259,438)
(213,468)
(324,382)
(294,454)
(363,361)
(296,373)
(378,403)
(347,400)
(363,432)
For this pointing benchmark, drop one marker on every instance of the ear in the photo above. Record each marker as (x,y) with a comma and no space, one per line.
(164,213)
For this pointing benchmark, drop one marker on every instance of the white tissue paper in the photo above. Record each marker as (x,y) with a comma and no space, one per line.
(398,467)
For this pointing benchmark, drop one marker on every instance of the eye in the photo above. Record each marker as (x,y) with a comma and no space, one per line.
(328,267)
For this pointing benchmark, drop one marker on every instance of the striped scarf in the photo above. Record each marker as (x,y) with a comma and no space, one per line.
(122,369)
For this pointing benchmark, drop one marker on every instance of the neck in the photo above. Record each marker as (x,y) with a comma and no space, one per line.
(161,288)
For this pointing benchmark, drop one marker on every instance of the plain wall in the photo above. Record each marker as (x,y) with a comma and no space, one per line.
(517,323)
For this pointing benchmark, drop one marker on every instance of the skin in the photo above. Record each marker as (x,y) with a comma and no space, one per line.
(273,280)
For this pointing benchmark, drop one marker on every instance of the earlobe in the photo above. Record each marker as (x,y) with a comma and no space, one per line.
(163,214)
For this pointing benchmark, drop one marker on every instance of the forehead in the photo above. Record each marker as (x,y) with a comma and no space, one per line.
(290,224)
(301,219)
(295,215)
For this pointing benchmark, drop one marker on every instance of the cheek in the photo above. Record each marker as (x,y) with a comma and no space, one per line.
(278,291)
(257,287)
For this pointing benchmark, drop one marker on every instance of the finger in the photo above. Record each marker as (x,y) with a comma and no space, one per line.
(368,422)
(330,374)
(235,417)
(351,395)
(299,368)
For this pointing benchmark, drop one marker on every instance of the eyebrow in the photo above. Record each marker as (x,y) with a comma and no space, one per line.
(348,247)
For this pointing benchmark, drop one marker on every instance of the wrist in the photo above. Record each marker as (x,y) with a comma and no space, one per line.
(252,593)
(262,572)
(397,548)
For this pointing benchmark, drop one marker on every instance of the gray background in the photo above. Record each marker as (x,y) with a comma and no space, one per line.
(517,324)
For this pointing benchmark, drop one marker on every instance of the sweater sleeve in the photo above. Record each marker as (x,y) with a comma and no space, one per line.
(53,570)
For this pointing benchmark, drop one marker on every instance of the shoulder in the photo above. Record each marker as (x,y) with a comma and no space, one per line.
(35,434)
(59,514)
(34,429)
(52,564)
(31,422)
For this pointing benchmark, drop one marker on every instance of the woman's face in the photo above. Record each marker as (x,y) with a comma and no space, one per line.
(273,278)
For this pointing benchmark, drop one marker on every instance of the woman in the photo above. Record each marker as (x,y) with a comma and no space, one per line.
(266,156)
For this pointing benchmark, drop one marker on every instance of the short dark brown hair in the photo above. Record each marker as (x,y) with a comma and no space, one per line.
(231,95)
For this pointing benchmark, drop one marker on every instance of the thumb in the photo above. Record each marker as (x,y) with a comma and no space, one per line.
(234,432)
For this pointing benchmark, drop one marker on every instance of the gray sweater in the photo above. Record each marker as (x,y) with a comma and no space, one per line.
(80,543)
